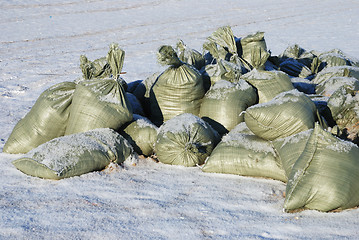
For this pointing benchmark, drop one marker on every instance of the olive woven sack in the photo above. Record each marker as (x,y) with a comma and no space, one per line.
(101,103)
(185,140)
(179,89)
(331,85)
(287,114)
(141,133)
(75,154)
(190,56)
(46,120)
(245,154)
(325,176)
(336,71)
(223,104)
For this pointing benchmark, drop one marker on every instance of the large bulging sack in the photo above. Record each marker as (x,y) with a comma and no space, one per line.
(268,83)
(179,89)
(287,114)
(98,104)
(75,154)
(185,140)
(250,42)
(141,134)
(46,120)
(325,176)
(245,154)
(328,87)
(223,104)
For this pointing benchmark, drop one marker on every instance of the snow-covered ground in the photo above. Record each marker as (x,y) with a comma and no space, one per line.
(40,45)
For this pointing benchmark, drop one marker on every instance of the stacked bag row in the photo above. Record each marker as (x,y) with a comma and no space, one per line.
(232,109)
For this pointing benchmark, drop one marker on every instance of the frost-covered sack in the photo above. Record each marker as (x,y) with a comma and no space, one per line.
(248,43)
(331,85)
(333,58)
(223,104)
(304,85)
(246,155)
(325,177)
(142,134)
(75,154)
(98,104)
(336,71)
(268,83)
(344,106)
(185,140)
(222,70)
(287,114)
(135,104)
(46,120)
(190,56)
(289,149)
(179,89)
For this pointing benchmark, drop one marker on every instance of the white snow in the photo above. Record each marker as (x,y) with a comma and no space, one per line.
(40,45)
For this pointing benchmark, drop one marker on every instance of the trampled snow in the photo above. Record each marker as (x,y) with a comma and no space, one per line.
(40,45)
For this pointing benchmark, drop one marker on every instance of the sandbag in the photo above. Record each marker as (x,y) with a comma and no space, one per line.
(190,56)
(185,140)
(98,68)
(248,43)
(141,133)
(179,89)
(222,70)
(336,71)
(268,83)
(287,114)
(331,85)
(333,58)
(223,104)
(344,106)
(288,149)
(46,120)
(98,104)
(75,154)
(246,155)
(325,176)
(135,104)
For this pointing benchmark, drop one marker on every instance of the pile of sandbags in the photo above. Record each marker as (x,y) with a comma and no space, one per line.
(233,109)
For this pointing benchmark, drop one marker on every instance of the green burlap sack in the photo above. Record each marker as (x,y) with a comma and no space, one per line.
(246,155)
(98,104)
(222,70)
(141,133)
(325,176)
(179,89)
(336,71)
(98,68)
(223,104)
(185,140)
(344,106)
(75,154)
(190,56)
(333,58)
(328,87)
(248,43)
(288,149)
(287,114)
(268,83)
(46,120)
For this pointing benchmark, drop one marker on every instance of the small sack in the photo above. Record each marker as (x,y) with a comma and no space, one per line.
(190,56)
(98,104)
(287,114)
(74,155)
(185,140)
(246,155)
(46,120)
(141,133)
(250,42)
(179,89)
(325,176)
(223,104)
